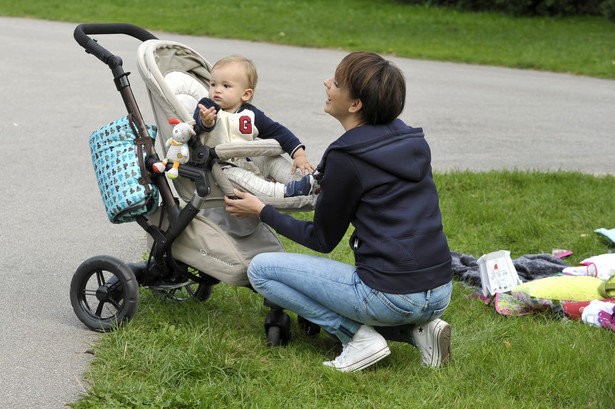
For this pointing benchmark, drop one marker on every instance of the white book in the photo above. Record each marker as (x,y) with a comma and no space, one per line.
(497,273)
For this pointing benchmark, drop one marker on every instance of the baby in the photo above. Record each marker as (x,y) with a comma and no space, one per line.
(227,116)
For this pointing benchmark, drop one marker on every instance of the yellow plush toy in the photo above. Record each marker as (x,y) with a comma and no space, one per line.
(561,288)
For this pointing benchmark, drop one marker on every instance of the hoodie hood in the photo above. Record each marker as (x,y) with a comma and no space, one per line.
(395,148)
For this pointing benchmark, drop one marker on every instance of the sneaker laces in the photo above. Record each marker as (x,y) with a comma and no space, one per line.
(339,359)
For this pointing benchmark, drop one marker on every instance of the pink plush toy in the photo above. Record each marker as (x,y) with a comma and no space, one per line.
(178,148)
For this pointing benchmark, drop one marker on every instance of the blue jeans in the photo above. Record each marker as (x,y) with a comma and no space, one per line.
(331,294)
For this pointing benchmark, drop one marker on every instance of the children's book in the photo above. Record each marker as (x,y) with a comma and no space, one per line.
(497,273)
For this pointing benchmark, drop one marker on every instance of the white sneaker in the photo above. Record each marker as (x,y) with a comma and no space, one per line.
(366,348)
(433,339)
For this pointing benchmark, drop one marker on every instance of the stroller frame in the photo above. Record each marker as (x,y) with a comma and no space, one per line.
(104,290)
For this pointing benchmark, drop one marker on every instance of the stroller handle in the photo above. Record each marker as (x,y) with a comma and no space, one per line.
(91,46)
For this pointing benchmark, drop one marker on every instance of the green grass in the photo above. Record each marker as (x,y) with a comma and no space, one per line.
(213,354)
(577,45)
(525,212)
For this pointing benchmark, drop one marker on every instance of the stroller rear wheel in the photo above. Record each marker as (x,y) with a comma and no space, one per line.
(104,293)
(308,327)
(189,291)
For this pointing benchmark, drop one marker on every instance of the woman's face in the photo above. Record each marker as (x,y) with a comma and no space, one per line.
(338,103)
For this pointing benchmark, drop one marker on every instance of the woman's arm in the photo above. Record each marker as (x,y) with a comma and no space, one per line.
(335,207)
(247,205)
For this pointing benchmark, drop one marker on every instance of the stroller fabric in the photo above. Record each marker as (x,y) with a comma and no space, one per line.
(222,246)
(118,156)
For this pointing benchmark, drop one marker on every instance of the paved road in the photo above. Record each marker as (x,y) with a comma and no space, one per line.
(54,96)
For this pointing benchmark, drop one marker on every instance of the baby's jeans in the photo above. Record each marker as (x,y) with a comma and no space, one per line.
(331,294)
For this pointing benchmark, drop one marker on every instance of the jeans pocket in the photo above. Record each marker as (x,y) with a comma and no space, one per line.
(410,308)
(437,313)
(399,305)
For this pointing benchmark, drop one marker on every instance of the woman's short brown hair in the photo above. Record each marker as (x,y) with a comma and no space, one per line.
(378,83)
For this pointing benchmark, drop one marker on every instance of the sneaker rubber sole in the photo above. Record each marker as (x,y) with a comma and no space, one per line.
(443,345)
(363,363)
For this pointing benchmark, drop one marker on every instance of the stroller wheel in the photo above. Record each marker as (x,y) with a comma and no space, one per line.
(274,337)
(308,327)
(191,290)
(104,293)
(277,328)
(187,289)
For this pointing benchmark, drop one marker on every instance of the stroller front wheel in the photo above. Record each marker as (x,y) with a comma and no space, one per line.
(104,293)
(274,337)
(277,328)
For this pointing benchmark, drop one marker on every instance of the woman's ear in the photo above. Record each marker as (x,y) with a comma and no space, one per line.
(356,106)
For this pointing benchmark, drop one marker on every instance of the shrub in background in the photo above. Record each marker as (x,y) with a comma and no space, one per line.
(529,8)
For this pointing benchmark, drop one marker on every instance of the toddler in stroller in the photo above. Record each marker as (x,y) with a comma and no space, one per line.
(229,116)
(195,244)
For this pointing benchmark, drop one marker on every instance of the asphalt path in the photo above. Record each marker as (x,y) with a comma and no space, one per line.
(54,95)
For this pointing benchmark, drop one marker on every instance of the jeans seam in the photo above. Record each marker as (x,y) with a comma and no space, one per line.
(363,304)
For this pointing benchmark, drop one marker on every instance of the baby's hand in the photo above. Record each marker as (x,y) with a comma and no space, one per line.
(208,116)
(301,162)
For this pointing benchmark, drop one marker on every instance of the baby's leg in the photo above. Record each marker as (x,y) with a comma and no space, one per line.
(253,183)
(277,167)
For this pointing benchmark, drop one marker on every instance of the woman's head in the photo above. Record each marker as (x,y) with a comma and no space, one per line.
(376,82)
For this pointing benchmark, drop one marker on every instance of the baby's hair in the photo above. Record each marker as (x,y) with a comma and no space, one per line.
(251,73)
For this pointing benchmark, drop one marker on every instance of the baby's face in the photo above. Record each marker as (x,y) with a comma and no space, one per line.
(229,86)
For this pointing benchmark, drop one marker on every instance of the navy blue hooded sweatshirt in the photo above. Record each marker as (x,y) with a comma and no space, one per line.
(379,178)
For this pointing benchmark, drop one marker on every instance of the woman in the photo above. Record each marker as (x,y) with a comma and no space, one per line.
(378,177)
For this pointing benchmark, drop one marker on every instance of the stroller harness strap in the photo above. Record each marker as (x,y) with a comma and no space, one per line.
(140,143)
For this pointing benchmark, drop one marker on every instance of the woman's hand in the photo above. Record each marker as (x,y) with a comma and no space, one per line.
(247,205)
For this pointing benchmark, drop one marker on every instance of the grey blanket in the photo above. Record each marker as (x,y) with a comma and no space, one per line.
(529,267)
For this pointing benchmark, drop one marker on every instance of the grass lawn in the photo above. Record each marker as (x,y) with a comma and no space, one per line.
(213,354)
(578,45)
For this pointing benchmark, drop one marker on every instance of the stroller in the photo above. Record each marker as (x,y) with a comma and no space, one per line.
(194,243)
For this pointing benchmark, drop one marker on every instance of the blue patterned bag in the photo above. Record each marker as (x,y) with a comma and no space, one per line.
(118,156)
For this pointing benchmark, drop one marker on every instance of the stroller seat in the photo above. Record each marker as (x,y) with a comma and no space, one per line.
(177,77)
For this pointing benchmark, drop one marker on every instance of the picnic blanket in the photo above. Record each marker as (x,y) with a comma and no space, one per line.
(529,267)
